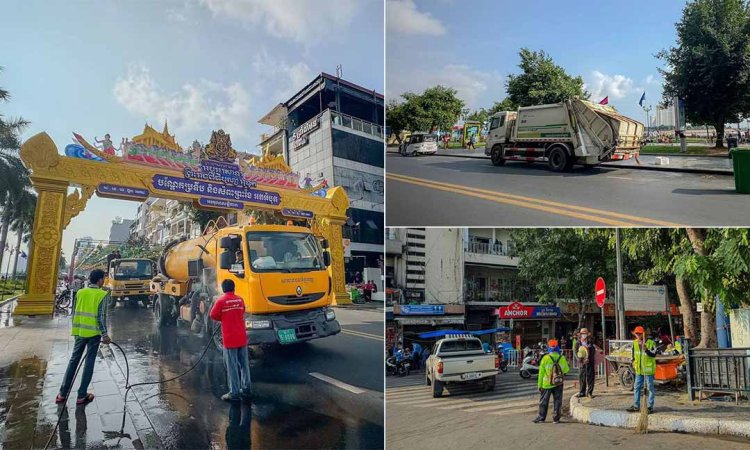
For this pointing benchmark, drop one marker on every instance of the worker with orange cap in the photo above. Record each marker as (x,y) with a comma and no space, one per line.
(644,363)
(552,370)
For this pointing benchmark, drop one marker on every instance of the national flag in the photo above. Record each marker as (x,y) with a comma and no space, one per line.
(605,101)
(643,99)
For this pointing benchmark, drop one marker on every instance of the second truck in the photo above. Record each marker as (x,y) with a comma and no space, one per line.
(281,272)
(563,134)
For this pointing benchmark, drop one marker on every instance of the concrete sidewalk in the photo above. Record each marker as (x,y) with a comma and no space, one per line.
(34,353)
(710,165)
(673,412)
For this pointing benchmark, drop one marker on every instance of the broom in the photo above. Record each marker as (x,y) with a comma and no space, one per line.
(642,425)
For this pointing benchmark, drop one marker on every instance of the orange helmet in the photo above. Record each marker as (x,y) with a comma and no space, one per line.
(552,342)
(638,330)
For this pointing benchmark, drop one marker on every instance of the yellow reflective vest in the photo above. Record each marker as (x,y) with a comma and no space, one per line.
(642,363)
(85,321)
(544,378)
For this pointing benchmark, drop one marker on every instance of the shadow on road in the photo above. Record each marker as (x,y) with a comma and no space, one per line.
(520,168)
(705,191)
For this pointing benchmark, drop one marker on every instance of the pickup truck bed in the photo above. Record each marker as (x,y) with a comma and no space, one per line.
(458,361)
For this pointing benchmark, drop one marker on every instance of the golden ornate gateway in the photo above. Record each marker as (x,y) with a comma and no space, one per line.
(141,172)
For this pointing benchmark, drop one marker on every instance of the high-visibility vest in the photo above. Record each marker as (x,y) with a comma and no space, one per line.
(87,308)
(678,346)
(640,357)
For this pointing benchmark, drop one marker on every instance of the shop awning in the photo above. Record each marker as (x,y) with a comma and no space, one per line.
(442,333)
(430,320)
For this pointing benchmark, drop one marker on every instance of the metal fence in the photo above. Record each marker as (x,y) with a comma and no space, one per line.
(718,370)
(357,124)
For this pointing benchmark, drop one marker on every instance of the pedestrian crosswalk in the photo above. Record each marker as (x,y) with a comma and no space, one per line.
(512,395)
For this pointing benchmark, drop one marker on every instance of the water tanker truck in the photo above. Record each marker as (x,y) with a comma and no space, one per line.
(128,280)
(563,134)
(281,272)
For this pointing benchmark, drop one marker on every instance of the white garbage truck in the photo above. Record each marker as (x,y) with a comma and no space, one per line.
(563,134)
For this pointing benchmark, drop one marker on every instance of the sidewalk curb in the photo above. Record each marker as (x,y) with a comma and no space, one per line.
(618,166)
(658,421)
(684,155)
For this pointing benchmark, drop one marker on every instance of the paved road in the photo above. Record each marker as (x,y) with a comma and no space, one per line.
(445,191)
(502,419)
(322,394)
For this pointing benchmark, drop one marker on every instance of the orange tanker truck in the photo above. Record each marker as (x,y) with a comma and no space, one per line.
(281,271)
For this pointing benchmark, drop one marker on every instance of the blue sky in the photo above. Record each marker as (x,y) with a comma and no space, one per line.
(110,67)
(473,45)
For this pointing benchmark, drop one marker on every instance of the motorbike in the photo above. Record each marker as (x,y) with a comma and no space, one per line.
(399,368)
(503,362)
(530,364)
(64,298)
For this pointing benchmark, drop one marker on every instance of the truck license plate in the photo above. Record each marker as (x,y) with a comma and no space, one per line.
(287,336)
(470,376)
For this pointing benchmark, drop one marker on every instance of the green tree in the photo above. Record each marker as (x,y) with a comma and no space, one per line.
(563,263)
(505,105)
(396,118)
(437,107)
(541,81)
(709,67)
(22,223)
(202,216)
(480,115)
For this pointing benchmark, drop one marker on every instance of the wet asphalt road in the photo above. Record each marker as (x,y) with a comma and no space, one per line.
(290,407)
(472,192)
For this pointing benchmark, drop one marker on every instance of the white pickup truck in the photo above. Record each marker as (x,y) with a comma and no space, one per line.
(460,359)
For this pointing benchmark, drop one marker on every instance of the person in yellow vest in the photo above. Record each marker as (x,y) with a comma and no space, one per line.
(552,370)
(89,329)
(678,345)
(644,363)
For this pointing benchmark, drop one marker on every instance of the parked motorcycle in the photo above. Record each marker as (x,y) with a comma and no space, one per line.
(503,362)
(530,365)
(64,298)
(399,368)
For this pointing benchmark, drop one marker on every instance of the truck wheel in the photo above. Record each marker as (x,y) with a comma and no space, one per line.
(163,310)
(559,160)
(427,378)
(437,389)
(491,384)
(496,156)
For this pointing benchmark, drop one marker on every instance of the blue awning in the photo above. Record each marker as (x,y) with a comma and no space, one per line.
(443,333)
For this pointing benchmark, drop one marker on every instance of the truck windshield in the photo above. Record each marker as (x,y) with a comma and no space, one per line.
(283,252)
(461,346)
(133,270)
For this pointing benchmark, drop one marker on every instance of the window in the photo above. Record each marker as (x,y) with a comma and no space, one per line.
(283,252)
(495,123)
(502,120)
(461,345)
(133,270)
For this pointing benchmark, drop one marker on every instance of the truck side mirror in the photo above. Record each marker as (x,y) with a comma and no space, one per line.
(324,243)
(226,242)
(226,259)
(326,259)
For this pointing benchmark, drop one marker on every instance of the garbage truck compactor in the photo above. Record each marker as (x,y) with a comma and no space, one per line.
(281,272)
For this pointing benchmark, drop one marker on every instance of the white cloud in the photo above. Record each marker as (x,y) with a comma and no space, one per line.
(299,21)
(279,78)
(403,17)
(475,87)
(614,86)
(649,79)
(195,107)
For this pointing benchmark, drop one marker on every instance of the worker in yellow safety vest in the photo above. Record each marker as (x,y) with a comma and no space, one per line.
(89,329)
(644,363)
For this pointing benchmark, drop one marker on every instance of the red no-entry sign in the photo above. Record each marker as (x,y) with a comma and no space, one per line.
(601,292)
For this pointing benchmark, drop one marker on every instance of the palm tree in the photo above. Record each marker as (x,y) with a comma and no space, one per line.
(22,224)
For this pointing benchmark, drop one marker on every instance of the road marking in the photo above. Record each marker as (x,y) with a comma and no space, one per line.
(621,178)
(558,208)
(337,383)
(362,334)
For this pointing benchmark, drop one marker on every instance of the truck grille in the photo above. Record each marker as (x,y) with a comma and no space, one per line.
(294,300)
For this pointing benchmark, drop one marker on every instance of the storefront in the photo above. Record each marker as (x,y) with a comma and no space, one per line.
(533,322)
(410,320)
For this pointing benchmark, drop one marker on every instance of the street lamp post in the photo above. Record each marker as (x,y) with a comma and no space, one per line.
(647,109)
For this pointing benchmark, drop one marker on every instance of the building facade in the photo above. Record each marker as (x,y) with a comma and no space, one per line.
(119,231)
(331,133)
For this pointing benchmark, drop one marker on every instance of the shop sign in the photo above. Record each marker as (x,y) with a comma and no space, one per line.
(196,187)
(517,310)
(422,309)
(299,137)
(640,297)
(226,173)
(104,189)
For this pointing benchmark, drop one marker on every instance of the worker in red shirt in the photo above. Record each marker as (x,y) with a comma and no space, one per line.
(230,310)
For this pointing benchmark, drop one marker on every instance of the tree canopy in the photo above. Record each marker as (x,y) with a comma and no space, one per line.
(541,81)
(709,68)
(437,107)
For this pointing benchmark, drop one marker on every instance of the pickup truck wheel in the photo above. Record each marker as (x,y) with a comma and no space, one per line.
(491,384)
(427,378)
(559,160)
(496,156)
(437,389)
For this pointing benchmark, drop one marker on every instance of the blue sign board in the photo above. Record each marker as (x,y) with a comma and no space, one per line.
(217,171)
(289,212)
(541,312)
(216,203)
(422,309)
(196,187)
(122,191)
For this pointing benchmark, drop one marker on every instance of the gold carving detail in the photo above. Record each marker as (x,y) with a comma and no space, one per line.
(75,203)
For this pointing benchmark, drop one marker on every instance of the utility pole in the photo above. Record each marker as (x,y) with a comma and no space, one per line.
(647,109)
(619,301)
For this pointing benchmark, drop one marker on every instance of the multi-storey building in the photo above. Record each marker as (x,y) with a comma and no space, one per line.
(331,132)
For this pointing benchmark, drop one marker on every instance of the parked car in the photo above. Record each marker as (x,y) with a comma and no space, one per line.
(419,144)
(460,359)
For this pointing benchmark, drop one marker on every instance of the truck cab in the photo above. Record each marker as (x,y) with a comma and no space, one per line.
(499,129)
(128,280)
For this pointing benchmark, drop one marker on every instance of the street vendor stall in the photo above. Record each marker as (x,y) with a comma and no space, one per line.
(669,367)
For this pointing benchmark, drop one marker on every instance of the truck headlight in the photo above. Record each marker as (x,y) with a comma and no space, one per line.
(330,314)
(257,324)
